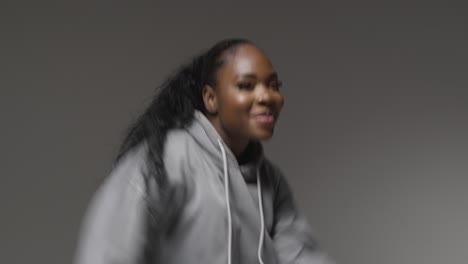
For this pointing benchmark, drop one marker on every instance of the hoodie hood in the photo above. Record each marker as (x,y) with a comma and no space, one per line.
(207,137)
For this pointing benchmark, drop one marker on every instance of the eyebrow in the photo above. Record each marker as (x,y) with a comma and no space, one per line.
(254,76)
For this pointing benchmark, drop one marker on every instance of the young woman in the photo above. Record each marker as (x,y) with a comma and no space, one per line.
(191,184)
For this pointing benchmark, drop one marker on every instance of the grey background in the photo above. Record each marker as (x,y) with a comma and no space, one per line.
(373,137)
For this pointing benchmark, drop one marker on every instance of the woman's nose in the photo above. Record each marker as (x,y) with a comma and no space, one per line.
(263,94)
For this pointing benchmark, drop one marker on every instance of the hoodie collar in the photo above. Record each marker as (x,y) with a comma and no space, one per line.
(207,137)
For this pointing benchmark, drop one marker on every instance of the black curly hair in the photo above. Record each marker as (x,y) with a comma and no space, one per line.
(172,107)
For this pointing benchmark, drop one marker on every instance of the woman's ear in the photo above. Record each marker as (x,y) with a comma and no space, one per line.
(210,100)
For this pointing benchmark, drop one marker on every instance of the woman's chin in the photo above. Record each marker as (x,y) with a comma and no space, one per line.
(264,135)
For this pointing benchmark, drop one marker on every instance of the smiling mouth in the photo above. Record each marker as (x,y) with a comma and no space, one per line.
(266,119)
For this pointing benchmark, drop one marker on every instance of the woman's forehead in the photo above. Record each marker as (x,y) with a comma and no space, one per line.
(247,60)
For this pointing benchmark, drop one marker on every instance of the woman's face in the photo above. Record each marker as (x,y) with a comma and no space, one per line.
(246,97)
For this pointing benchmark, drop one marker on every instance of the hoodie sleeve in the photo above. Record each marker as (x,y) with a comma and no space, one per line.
(118,223)
(115,225)
(292,235)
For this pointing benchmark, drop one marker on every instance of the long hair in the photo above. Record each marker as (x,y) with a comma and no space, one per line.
(172,107)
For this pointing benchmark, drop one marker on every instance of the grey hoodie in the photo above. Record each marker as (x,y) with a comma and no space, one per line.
(214,217)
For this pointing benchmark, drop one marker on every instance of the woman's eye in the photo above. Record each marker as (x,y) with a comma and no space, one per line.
(276,85)
(245,85)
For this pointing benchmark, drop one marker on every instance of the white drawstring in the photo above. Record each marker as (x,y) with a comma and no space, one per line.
(260,206)
(228,205)
(226,191)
